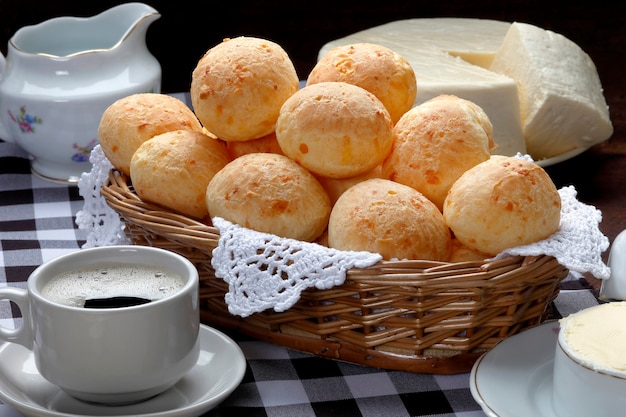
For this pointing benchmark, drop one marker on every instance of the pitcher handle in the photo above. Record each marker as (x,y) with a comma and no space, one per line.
(22,335)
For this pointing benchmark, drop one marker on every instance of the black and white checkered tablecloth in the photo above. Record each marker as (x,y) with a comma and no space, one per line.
(37,223)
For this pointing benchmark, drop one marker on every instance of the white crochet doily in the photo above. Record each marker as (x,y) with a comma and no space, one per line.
(101,221)
(264,271)
(578,244)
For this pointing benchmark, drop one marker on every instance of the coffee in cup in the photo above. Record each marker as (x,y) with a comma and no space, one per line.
(112,286)
(112,325)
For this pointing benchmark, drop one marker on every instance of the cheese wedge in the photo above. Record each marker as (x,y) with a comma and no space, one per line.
(448,56)
(561,101)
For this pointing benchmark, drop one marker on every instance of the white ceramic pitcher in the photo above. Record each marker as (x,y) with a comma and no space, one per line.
(60,75)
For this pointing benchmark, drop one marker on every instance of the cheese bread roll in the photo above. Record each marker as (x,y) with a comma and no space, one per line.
(502,203)
(265,144)
(435,142)
(336,186)
(391,219)
(378,69)
(461,253)
(239,85)
(335,129)
(269,193)
(174,168)
(132,120)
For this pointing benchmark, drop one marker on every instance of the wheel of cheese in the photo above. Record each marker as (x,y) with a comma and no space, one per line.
(502,203)
(174,168)
(239,85)
(335,129)
(378,69)
(269,193)
(541,91)
(391,219)
(132,120)
(435,142)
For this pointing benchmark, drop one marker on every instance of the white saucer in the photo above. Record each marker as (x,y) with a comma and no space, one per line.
(219,371)
(514,379)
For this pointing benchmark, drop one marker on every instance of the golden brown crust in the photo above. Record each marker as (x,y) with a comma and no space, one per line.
(392,219)
(336,186)
(173,170)
(266,144)
(335,129)
(502,203)
(132,120)
(269,193)
(435,142)
(239,85)
(376,68)
(461,253)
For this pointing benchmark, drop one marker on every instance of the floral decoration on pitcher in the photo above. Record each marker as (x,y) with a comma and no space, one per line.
(25,121)
(83,151)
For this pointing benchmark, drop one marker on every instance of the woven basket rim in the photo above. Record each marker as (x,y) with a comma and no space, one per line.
(120,195)
(411,315)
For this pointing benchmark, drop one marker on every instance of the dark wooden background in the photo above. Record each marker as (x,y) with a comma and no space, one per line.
(188,28)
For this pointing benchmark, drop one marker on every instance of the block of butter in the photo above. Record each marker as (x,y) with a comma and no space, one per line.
(465,57)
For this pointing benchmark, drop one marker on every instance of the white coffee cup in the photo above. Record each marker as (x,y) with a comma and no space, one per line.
(110,355)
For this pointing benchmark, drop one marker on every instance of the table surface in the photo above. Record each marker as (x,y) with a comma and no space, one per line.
(37,223)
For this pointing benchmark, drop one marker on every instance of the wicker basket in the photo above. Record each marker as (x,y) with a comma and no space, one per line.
(417,316)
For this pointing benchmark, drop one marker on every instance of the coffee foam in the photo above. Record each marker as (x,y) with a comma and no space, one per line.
(74,287)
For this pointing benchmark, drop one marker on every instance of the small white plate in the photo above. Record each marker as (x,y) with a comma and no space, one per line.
(560,158)
(514,379)
(219,371)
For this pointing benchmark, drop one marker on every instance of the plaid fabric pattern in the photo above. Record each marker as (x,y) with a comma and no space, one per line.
(282,382)
(37,223)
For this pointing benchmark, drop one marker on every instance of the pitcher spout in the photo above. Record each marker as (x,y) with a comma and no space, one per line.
(133,19)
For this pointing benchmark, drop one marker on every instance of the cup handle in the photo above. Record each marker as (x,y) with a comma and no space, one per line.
(22,335)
